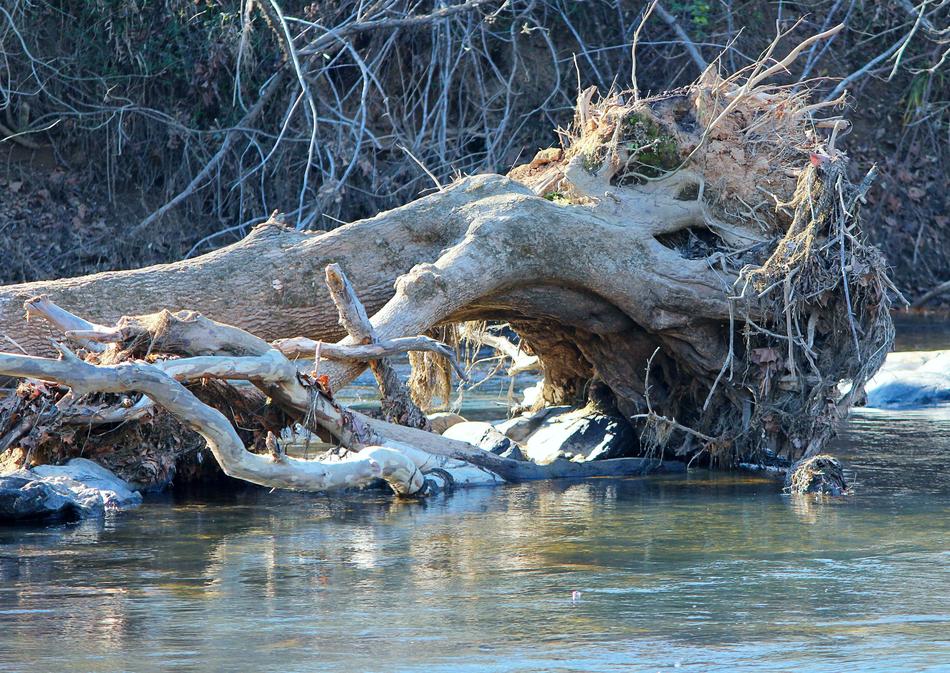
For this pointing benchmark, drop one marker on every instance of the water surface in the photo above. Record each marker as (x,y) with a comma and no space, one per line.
(702,572)
(707,572)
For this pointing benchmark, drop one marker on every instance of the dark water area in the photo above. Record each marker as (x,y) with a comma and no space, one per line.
(921,332)
(702,572)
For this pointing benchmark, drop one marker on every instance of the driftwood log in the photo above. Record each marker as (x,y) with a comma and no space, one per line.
(710,232)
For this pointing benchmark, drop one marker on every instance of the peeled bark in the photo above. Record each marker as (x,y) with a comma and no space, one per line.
(691,231)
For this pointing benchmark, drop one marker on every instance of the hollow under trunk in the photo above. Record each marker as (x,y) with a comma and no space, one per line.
(693,257)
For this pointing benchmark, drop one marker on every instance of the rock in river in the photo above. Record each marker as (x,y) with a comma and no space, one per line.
(581,435)
(78,489)
(483,435)
(912,379)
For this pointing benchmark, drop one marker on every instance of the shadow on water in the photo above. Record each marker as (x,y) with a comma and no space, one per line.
(698,572)
(921,332)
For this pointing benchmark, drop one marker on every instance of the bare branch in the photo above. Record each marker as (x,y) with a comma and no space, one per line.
(633,49)
(691,47)
(223,441)
(65,321)
(397,403)
(304,347)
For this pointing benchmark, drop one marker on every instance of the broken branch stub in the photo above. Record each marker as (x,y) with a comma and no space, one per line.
(397,405)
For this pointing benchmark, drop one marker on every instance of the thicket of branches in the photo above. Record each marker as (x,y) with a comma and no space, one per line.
(198,118)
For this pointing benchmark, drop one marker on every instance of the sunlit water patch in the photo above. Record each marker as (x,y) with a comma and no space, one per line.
(706,572)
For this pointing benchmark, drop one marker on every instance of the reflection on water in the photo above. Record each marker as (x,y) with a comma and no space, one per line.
(707,572)
(703,572)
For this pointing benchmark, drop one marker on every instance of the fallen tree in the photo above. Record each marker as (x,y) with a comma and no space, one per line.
(696,255)
(154,355)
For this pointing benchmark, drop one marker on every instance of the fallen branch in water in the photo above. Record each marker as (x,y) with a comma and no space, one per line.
(937,291)
(402,456)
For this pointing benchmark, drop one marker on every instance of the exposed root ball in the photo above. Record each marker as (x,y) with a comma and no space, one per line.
(778,222)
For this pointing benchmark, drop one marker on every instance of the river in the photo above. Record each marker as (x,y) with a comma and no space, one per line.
(702,572)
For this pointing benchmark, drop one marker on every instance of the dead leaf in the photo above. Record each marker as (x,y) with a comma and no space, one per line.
(916,193)
(15,186)
(323,383)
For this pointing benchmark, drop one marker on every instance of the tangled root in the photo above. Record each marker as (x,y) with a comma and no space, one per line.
(810,297)
(823,298)
(821,474)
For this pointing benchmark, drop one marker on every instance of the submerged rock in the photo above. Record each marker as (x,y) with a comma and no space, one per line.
(913,379)
(78,489)
(580,435)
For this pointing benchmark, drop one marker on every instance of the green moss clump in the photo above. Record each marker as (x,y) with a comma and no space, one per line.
(557,197)
(655,152)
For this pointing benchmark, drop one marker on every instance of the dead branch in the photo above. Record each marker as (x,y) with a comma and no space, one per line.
(366,465)
(398,454)
(684,37)
(397,404)
(936,291)
(302,347)
(65,321)
(520,361)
